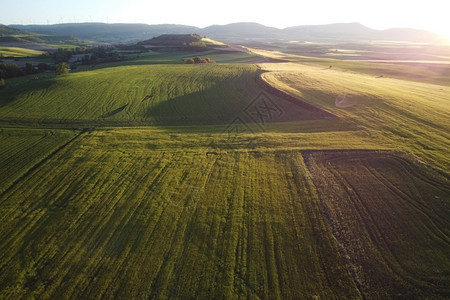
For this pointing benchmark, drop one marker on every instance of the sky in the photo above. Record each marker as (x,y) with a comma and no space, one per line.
(378,14)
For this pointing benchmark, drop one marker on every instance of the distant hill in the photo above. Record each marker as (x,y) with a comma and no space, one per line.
(232,33)
(109,32)
(243,30)
(181,42)
(346,31)
(6,31)
(407,34)
(14,35)
(357,31)
(10,36)
(330,32)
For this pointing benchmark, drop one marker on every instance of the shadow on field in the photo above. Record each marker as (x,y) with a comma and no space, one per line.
(10,93)
(114,112)
(221,104)
(196,108)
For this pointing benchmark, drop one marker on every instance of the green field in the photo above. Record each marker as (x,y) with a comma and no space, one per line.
(149,219)
(19,52)
(142,95)
(164,181)
(23,149)
(408,115)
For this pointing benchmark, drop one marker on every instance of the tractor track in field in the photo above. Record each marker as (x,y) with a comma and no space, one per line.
(41,162)
(358,206)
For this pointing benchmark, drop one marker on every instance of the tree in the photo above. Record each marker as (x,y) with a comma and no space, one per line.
(43,67)
(62,68)
(62,55)
(199,60)
(29,68)
(9,70)
(93,60)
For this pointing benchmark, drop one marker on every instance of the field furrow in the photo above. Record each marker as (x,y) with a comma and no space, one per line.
(21,149)
(368,200)
(136,222)
(144,95)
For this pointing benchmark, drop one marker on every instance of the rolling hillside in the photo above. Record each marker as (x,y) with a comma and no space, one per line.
(146,95)
(9,31)
(162,181)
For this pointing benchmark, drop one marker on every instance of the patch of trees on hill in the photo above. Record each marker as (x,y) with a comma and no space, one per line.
(62,68)
(64,59)
(199,60)
(90,55)
(9,70)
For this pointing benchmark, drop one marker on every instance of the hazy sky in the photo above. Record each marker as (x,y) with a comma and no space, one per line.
(379,14)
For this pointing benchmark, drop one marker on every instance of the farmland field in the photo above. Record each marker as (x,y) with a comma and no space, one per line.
(412,115)
(143,95)
(18,52)
(134,221)
(163,181)
(388,214)
(21,149)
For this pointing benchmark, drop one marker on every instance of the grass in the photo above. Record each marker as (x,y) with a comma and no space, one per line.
(22,149)
(208,221)
(163,181)
(417,71)
(212,42)
(133,95)
(377,229)
(411,115)
(19,52)
(166,58)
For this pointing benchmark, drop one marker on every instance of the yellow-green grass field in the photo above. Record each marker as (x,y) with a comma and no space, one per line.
(19,52)
(412,115)
(146,95)
(133,222)
(22,149)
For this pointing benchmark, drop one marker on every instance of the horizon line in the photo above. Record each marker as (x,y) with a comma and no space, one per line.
(242,22)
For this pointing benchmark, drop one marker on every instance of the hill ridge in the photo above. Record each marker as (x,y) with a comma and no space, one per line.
(241,31)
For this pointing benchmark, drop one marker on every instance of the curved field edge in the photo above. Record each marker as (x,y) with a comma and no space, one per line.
(390,215)
(280,93)
(97,220)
